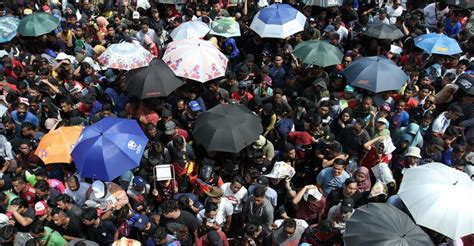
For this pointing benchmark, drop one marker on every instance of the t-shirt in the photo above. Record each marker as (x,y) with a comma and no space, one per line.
(328,182)
(55,240)
(236,199)
(352,143)
(103,234)
(182,227)
(336,196)
(73,229)
(441,123)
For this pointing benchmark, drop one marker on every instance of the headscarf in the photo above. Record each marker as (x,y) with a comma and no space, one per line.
(348,111)
(102,23)
(235,51)
(366,184)
(148,42)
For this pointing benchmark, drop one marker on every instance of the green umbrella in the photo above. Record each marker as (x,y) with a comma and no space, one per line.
(225,27)
(320,53)
(37,24)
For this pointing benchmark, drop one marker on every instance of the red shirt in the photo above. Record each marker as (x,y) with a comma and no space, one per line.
(372,158)
(29,194)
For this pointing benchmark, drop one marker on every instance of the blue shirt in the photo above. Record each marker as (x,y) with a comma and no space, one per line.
(450,29)
(29,117)
(328,182)
(400,120)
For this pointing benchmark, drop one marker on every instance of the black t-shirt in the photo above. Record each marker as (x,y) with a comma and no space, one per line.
(103,234)
(182,227)
(30,213)
(74,228)
(336,196)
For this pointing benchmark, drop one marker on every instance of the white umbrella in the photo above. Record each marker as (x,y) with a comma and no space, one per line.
(278,21)
(125,56)
(323,3)
(190,29)
(195,59)
(439,198)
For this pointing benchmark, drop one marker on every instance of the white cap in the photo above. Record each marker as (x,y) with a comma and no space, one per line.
(98,187)
(135,15)
(3,219)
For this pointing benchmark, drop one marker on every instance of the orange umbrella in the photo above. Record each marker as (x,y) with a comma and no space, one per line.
(56,146)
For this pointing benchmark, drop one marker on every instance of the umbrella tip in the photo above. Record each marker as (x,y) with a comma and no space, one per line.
(455,183)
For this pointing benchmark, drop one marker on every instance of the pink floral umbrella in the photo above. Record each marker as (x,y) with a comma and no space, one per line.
(195,59)
(125,56)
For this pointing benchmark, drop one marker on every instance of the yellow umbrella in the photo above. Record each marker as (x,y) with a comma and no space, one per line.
(56,146)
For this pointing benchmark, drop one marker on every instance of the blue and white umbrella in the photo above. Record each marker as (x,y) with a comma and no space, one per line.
(440,44)
(278,21)
(8,27)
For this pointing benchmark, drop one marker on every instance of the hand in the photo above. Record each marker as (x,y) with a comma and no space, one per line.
(373,111)
(143,119)
(309,187)
(12,208)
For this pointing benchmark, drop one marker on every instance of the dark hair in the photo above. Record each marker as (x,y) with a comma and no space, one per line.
(169,206)
(259,191)
(64,198)
(59,211)
(339,161)
(89,214)
(36,228)
(41,172)
(20,202)
(361,122)
(289,223)
(42,185)
(238,179)
(19,179)
(210,206)
(349,181)
(159,233)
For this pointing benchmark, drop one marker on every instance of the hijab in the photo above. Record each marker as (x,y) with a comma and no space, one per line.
(366,184)
(102,23)
(235,51)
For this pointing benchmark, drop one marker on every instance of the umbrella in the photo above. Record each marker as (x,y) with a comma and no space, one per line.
(384,31)
(464,4)
(440,44)
(278,21)
(227,128)
(56,145)
(156,80)
(439,198)
(465,82)
(225,27)
(125,56)
(320,53)
(190,29)
(323,3)
(375,74)
(37,24)
(8,27)
(195,59)
(108,148)
(173,2)
(383,224)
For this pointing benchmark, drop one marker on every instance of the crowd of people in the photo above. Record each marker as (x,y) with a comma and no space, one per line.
(327,147)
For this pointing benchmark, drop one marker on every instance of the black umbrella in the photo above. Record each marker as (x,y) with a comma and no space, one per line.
(384,31)
(227,128)
(156,80)
(383,225)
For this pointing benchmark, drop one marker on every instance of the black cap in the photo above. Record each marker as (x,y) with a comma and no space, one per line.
(456,109)
(347,205)
(263,181)
(437,142)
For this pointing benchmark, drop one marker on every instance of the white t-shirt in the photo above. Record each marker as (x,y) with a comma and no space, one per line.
(224,209)
(441,123)
(394,13)
(236,199)
(432,17)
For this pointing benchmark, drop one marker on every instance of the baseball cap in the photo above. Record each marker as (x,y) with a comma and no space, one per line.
(312,192)
(40,208)
(437,142)
(385,107)
(465,81)
(263,181)
(194,106)
(139,182)
(383,120)
(170,128)
(347,205)
(166,113)
(214,238)
(349,88)
(141,222)
(136,15)
(456,109)
(98,187)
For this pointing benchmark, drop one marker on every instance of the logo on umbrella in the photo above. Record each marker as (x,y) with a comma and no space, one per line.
(133,146)
(363,82)
(441,49)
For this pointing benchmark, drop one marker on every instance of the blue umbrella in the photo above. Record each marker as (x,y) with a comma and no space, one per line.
(108,148)
(376,74)
(8,27)
(440,44)
(278,21)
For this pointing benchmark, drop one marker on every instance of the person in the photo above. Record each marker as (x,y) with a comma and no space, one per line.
(104,232)
(160,237)
(348,190)
(70,227)
(331,178)
(77,190)
(310,204)
(363,179)
(108,196)
(66,204)
(47,236)
(24,190)
(224,207)
(182,224)
(443,121)
(258,209)
(339,214)
(289,233)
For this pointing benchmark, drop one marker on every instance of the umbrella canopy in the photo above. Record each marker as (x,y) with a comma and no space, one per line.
(440,44)
(225,27)
(323,3)
(375,74)
(8,27)
(278,21)
(384,31)
(320,53)
(156,80)
(465,82)
(464,4)
(440,198)
(37,24)
(190,29)
(227,128)
(56,145)
(125,56)
(195,59)
(383,224)
(108,148)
